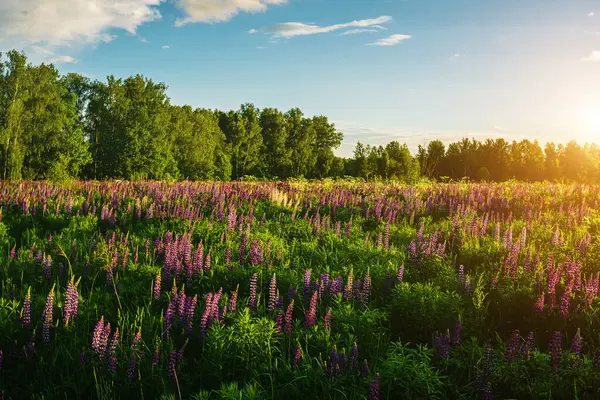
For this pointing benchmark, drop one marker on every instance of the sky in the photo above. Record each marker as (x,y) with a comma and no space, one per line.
(382,70)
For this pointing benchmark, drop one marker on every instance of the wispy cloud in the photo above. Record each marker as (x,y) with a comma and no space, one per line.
(391,40)
(455,56)
(220,10)
(594,56)
(166,46)
(62,60)
(591,14)
(44,54)
(143,40)
(290,29)
(357,31)
(501,128)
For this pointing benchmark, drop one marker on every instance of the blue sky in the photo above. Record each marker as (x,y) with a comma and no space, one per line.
(407,70)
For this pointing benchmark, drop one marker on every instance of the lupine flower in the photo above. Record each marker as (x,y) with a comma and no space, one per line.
(364,370)
(400,273)
(156,289)
(71,301)
(26,312)
(311,313)
(12,253)
(366,289)
(288,318)
(512,348)
(172,366)
(353,358)
(233,300)
(252,301)
(348,289)
(442,345)
(327,319)
(555,351)
(306,289)
(577,343)
(296,356)
(131,368)
(112,351)
(332,363)
(272,294)
(279,323)
(47,317)
(528,345)
(596,362)
(156,355)
(374,388)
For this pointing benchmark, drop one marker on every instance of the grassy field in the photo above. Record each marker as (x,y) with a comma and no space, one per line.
(292,291)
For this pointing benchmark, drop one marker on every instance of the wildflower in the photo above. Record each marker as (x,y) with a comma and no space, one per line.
(555,351)
(577,343)
(71,302)
(366,289)
(26,312)
(296,356)
(327,319)
(400,274)
(253,300)
(47,317)
(156,289)
(306,289)
(348,289)
(457,330)
(311,313)
(512,348)
(364,370)
(288,318)
(272,294)
(233,300)
(374,388)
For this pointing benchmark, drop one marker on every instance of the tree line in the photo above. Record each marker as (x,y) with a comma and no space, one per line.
(55,126)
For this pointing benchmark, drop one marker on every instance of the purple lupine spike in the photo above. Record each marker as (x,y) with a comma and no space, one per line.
(555,351)
(400,274)
(272,294)
(596,362)
(306,288)
(279,323)
(168,318)
(131,368)
(311,313)
(353,358)
(348,289)
(97,337)
(332,363)
(207,262)
(256,254)
(112,351)
(356,290)
(233,300)
(26,312)
(156,288)
(156,355)
(189,313)
(528,345)
(366,290)
(327,319)
(252,301)
(13,252)
(288,318)
(47,317)
(374,388)
(71,302)
(512,348)
(228,255)
(172,366)
(577,343)
(364,370)
(296,356)
(47,265)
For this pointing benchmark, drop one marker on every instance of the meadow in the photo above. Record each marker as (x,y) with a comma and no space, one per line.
(282,290)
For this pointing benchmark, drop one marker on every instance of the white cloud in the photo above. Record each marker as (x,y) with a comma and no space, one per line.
(70,22)
(500,129)
(591,14)
(291,29)
(357,31)
(455,56)
(391,40)
(220,10)
(62,59)
(594,56)
(166,46)
(143,40)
